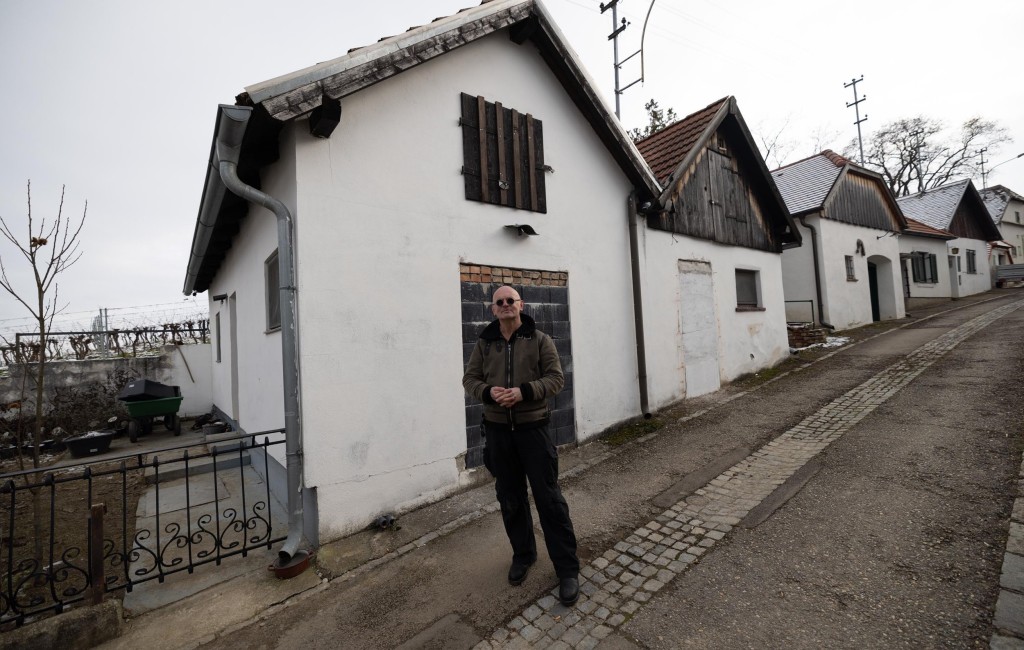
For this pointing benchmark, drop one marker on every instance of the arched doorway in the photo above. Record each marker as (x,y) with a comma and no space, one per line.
(883,283)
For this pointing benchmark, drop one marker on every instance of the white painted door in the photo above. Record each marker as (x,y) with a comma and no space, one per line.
(698,326)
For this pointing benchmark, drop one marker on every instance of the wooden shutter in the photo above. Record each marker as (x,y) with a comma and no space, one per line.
(934,267)
(503,155)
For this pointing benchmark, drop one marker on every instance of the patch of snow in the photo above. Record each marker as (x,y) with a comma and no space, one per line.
(95,434)
(830,342)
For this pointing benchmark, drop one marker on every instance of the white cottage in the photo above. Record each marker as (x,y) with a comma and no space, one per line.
(1007,210)
(958,209)
(848,273)
(403,182)
(712,255)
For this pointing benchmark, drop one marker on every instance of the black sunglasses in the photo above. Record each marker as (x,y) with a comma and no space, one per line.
(507,301)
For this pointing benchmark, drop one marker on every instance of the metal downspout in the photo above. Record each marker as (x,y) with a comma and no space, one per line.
(638,308)
(817,273)
(233,122)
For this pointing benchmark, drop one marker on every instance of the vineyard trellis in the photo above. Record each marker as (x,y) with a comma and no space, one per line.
(133,342)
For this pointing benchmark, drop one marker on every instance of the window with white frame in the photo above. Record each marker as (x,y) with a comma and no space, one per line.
(747,289)
(273,283)
(972,264)
(851,274)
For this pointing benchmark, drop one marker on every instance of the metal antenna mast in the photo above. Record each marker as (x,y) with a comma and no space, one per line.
(614,38)
(981,152)
(856,109)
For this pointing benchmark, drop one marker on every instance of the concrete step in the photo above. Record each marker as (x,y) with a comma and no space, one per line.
(227,458)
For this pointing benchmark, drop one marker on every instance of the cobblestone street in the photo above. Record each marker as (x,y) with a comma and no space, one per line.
(618,583)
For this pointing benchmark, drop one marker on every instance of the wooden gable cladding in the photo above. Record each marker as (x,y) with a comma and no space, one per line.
(714,200)
(503,155)
(860,200)
(972,219)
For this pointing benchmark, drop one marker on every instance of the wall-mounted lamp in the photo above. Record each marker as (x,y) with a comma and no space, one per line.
(954,251)
(221,297)
(522,229)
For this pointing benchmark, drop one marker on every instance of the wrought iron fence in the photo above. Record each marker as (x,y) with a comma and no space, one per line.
(90,542)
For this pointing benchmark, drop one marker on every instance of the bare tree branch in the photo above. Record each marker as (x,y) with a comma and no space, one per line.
(917,154)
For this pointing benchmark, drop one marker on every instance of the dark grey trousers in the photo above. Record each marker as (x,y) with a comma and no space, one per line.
(514,457)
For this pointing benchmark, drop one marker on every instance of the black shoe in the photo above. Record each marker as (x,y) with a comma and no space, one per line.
(568,591)
(517,573)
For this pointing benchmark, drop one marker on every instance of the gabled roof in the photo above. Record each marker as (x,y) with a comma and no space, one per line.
(294,95)
(805,184)
(996,199)
(664,150)
(935,207)
(673,150)
(938,206)
(915,227)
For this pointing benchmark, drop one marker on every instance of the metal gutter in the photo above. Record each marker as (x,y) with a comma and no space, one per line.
(638,308)
(817,273)
(209,207)
(232,122)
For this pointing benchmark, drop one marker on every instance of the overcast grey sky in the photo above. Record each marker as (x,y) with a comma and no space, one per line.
(116,99)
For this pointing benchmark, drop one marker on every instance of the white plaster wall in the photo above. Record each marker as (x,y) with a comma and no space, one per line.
(191,371)
(848,303)
(383,224)
(798,277)
(748,341)
(981,280)
(241,276)
(937,247)
(1012,231)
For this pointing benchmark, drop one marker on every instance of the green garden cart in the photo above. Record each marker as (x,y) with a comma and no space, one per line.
(148,401)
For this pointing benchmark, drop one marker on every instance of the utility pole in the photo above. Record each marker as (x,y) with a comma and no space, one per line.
(856,109)
(614,38)
(981,153)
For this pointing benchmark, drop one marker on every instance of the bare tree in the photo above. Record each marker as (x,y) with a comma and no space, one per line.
(657,118)
(777,149)
(918,153)
(50,248)
(774,147)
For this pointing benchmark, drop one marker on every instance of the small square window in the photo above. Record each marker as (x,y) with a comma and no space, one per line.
(850,271)
(747,294)
(273,276)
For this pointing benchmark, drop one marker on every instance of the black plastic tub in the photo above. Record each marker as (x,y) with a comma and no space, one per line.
(89,444)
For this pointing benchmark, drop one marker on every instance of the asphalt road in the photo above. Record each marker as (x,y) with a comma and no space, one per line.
(894,539)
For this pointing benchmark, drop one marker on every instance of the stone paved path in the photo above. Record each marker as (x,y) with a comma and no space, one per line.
(618,583)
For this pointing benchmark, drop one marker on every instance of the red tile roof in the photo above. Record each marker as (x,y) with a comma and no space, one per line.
(918,228)
(665,149)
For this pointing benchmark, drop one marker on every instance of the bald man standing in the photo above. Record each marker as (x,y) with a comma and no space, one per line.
(514,370)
